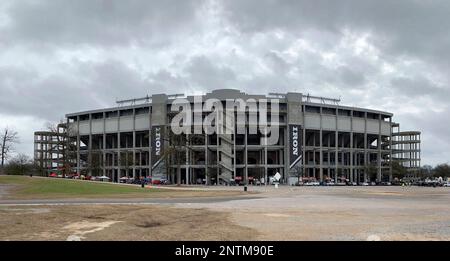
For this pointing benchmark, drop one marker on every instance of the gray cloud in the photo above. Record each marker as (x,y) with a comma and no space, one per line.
(420,86)
(206,74)
(277,63)
(351,77)
(84,86)
(97,22)
(64,56)
(403,26)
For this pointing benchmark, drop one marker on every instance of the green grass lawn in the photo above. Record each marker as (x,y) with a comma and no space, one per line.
(37,187)
(25,187)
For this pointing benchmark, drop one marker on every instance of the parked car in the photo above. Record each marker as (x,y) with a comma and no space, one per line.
(447,184)
(136,181)
(156,182)
(239,181)
(365,184)
(123,179)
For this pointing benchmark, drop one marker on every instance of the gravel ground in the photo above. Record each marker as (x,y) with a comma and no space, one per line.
(343,213)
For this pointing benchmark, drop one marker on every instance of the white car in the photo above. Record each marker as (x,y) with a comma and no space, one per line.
(446,184)
(365,184)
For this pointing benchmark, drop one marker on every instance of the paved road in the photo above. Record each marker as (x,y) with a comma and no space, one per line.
(9,202)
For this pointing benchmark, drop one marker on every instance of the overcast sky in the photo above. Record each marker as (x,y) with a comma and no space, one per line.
(58,57)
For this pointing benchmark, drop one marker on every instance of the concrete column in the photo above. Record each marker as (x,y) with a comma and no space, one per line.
(104,146)
(78,145)
(365,147)
(351,158)
(420,152)
(217,162)
(314,152)
(150,163)
(303,142)
(90,146)
(351,149)
(187,162)
(286,152)
(379,149)
(320,148)
(134,143)
(336,149)
(245,156)
(206,160)
(119,163)
(234,147)
(265,161)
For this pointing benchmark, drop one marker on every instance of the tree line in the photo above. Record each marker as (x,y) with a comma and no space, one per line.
(19,164)
(426,171)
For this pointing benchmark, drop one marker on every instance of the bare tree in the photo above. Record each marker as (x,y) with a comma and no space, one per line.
(371,170)
(94,166)
(175,153)
(62,145)
(8,137)
(126,162)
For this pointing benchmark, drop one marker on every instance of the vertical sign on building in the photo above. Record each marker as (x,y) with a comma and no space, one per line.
(295,144)
(157,144)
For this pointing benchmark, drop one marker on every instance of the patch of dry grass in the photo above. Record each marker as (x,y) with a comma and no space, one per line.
(126,222)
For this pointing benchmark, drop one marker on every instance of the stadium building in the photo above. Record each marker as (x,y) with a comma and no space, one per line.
(318,140)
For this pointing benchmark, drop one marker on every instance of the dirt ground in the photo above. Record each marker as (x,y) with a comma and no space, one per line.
(343,213)
(117,222)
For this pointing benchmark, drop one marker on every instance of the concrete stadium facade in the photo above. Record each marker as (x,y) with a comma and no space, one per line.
(332,143)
